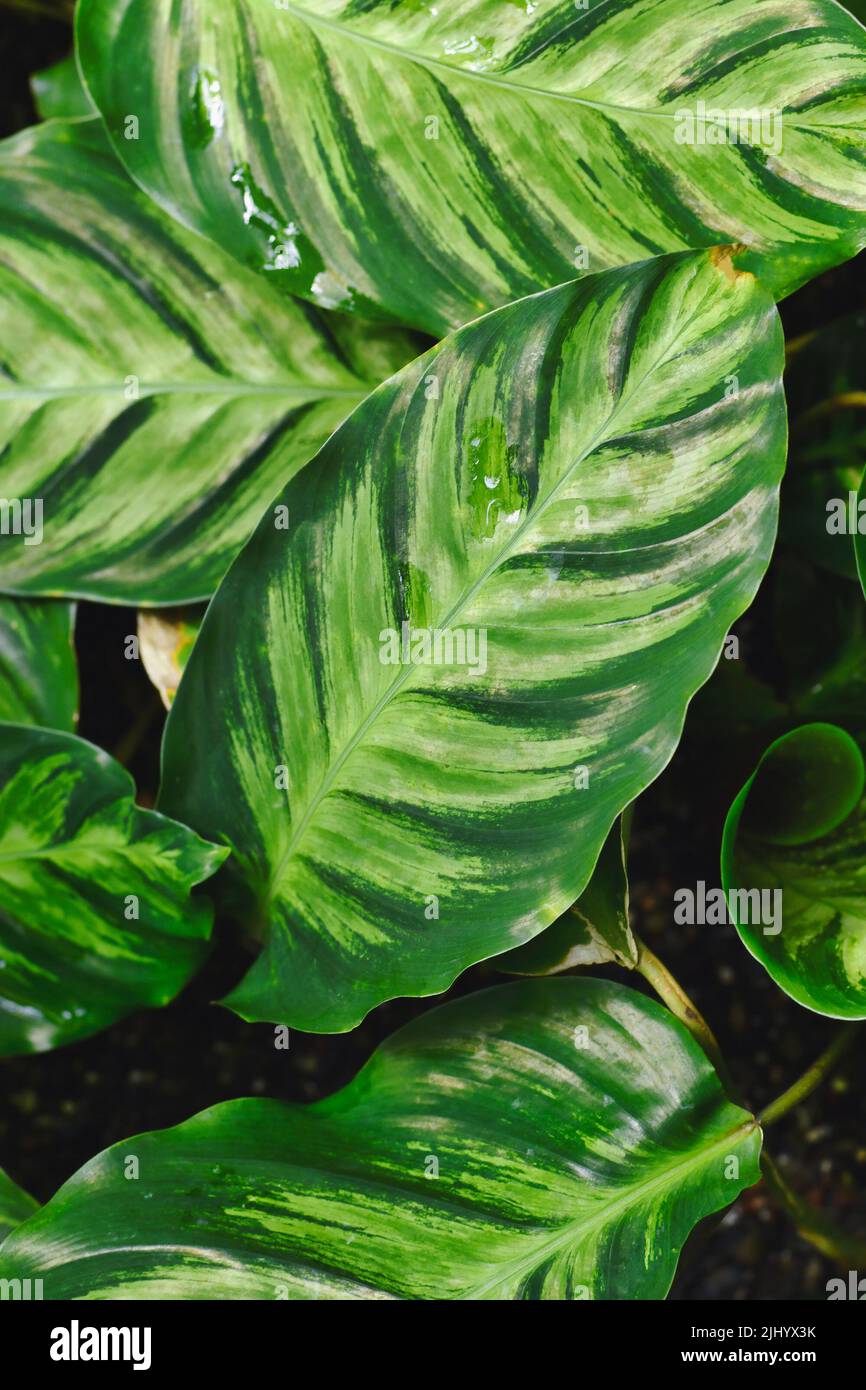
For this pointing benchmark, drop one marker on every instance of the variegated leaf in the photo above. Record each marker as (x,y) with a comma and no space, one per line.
(794,867)
(506,575)
(38,671)
(438,160)
(96,917)
(552,1139)
(153,394)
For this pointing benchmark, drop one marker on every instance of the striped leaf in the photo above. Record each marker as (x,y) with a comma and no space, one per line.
(551,1139)
(595,930)
(38,671)
(794,868)
(437,161)
(96,917)
(505,576)
(825,381)
(153,394)
(15,1205)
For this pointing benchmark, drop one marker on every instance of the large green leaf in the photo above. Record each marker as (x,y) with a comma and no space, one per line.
(15,1205)
(95,913)
(798,830)
(153,395)
(825,381)
(595,930)
(860,535)
(570,484)
(552,1139)
(440,160)
(38,671)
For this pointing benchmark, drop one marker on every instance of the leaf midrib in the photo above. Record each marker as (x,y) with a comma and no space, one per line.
(632,1197)
(423,60)
(220,386)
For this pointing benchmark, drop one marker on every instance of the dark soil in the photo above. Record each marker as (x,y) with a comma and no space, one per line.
(155,1069)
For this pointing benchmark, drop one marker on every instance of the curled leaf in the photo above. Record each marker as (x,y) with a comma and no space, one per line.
(794,868)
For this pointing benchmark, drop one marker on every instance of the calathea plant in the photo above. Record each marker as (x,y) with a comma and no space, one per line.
(417,373)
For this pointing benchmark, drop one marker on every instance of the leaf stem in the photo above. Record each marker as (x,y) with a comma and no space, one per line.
(812,1225)
(672,993)
(811,1078)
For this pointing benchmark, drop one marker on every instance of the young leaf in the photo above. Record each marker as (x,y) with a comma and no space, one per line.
(550,1139)
(438,161)
(506,575)
(794,868)
(154,394)
(38,671)
(15,1205)
(595,929)
(58,91)
(165,638)
(95,913)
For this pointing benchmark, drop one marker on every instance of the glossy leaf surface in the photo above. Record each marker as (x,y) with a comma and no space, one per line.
(96,917)
(550,1139)
(438,161)
(796,835)
(566,507)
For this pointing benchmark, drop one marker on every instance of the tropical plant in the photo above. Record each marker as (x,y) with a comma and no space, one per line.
(416,373)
